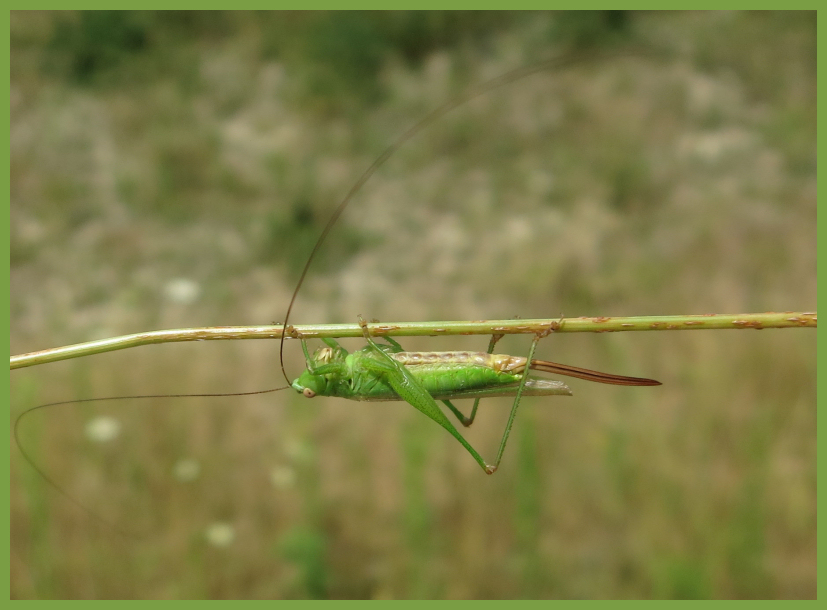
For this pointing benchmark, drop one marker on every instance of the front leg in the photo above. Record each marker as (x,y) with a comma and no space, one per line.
(307,359)
(333,353)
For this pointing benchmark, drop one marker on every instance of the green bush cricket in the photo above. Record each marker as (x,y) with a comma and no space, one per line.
(380,372)
(697,490)
(387,372)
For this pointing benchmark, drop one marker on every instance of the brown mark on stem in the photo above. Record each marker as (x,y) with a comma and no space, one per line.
(748,324)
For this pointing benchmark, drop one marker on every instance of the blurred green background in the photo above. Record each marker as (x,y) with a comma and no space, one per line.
(174,169)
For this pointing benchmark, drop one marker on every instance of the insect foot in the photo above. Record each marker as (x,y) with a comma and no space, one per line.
(552,328)
(489,469)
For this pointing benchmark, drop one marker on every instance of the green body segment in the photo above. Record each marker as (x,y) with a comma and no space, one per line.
(387,372)
(440,374)
(444,375)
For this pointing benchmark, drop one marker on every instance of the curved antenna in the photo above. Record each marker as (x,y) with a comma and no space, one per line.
(431,117)
(109,524)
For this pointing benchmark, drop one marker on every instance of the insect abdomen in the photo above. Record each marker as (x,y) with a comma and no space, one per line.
(501,363)
(442,372)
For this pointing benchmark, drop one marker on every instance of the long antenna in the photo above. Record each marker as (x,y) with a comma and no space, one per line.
(109,524)
(434,115)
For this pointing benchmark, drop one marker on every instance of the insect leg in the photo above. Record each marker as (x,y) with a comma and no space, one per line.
(412,392)
(338,350)
(516,404)
(307,358)
(467,421)
(313,365)
(396,347)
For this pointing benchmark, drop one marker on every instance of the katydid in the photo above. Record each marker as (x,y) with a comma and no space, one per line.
(387,372)
(380,365)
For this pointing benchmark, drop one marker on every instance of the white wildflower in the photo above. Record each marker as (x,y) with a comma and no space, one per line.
(182,291)
(220,534)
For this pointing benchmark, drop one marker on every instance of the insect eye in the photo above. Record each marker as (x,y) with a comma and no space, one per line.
(308,393)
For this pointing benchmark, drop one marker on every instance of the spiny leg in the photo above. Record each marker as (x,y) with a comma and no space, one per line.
(552,328)
(396,346)
(307,358)
(514,407)
(314,368)
(411,391)
(335,352)
(467,421)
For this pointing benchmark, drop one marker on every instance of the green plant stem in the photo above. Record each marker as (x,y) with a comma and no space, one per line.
(413,329)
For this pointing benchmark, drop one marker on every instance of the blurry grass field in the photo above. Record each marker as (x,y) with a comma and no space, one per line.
(174,169)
